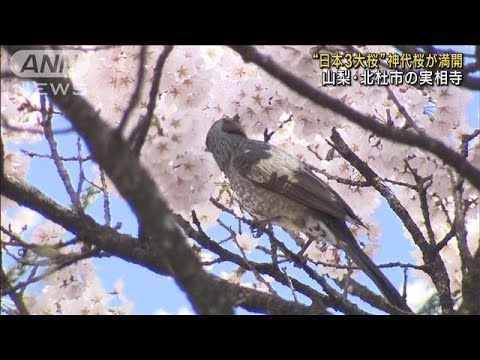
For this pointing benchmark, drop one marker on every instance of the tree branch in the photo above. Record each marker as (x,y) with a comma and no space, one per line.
(421,190)
(62,172)
(403,111)
(139,134)
(355,288)
(471,287)
(334,299)
(434,265)
(423,141)
(130,249)
(264,268)
(136,93)
(135,184)
(16,298)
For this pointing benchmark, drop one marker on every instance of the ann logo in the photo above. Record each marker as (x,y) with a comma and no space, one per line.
(48,64)
(44,63)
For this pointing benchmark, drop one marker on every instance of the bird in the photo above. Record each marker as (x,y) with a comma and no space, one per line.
(276,188)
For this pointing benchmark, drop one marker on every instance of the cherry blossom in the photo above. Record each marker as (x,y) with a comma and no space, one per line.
(200,85)
(246,242)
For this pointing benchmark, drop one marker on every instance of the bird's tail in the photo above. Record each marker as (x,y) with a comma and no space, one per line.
(349,244)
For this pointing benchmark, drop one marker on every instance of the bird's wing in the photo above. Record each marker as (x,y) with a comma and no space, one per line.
(279,172)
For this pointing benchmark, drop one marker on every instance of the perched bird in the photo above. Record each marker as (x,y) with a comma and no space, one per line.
(274,187)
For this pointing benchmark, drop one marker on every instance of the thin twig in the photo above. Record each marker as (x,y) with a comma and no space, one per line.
(448,236)
(136,93)
(290,285)
(139,134)
(466,138)
(311,92)
(106,199)
(335,299)
(17,241)
(435,266)
(33,272)
(218,260)
(14,128)
(461,229)
(386,265)
(63,158)
(334,177)
(81,173)
(400,183)
(130,249)
(274,253)
(403,111)
(255,272)
(353,287)
(301,262)
(203,239)
(421,190)
(443,208)
(62,172)
(70,260)
(339,179)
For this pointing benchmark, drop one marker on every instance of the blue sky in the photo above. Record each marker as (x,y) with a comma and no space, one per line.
(151,292)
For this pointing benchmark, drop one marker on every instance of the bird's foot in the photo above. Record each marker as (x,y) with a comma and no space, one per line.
(258,227)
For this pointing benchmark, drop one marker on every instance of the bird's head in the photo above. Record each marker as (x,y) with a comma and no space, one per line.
(225,127)
(223,137)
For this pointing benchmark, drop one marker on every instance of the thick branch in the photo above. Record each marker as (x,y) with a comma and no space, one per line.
(263,268)
(434,264)
(471,287)
(130,249)
(135,184)
(16,297)
(423,141)
(334,299)
(355,288)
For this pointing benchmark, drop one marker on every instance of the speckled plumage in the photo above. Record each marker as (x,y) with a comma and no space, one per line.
(275,187)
